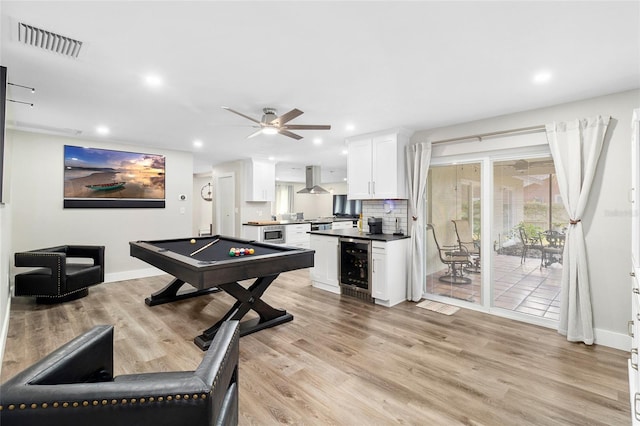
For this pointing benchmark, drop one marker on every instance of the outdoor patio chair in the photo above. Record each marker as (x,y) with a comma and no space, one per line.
(455,258)
(528,243)
(553,250)
(468,244)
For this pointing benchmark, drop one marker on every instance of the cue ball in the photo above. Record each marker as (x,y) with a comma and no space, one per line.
(193,241)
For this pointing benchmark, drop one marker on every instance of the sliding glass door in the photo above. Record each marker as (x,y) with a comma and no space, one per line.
(453,238)
(528,228)
(496,235)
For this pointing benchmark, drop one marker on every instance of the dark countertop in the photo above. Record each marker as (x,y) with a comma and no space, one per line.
(354,233)
(297,222)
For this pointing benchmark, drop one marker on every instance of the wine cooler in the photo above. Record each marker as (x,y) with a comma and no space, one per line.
(355,268)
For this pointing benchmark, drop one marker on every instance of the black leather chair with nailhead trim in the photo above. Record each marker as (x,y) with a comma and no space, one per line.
(57,277)
(74,385)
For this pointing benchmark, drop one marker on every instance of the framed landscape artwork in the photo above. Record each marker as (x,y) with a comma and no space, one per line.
(105,178)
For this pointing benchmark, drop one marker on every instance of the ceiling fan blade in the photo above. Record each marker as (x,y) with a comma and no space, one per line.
(308,126)
(290,134)
(241,114)
(286,117)
(256,133)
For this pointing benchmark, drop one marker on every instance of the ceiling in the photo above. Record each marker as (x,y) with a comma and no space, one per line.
(369,65)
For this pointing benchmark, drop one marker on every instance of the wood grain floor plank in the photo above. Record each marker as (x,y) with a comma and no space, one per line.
(343,361)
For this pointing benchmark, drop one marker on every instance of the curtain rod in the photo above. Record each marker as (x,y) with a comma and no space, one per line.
(480,136)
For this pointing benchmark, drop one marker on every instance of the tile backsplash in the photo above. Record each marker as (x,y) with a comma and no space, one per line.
(389,211)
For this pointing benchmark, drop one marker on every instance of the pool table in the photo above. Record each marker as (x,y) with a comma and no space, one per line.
(205,264)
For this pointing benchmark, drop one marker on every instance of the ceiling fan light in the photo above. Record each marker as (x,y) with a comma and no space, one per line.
(269,130)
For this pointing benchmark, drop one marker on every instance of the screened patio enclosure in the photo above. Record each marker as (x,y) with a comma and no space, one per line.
(527,224)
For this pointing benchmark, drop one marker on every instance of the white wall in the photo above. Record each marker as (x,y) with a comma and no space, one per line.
(5,249)
(607,221)
(5,290)
(39,219)
(202,210)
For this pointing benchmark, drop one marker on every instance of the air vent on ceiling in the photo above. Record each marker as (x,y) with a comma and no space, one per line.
(47,40)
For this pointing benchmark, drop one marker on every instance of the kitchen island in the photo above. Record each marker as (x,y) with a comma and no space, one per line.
(384,279)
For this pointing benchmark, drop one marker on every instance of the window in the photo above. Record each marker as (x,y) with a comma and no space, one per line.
(284,198)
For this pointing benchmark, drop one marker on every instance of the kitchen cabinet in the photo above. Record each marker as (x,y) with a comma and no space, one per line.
(296,235)
(375,165)
(251,232)
(634,323)
(324,274)
(260,180)
(634,332)
(389,272)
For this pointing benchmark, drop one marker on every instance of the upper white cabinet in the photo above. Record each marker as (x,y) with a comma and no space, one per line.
(260,178)
(375,165)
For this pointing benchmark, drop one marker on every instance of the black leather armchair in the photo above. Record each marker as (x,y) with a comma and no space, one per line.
(56,279)
(74,385)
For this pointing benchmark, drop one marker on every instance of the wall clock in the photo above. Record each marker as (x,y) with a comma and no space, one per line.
(206,192)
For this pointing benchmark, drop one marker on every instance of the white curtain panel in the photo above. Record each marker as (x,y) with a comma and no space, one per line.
(576,147)
(418,157)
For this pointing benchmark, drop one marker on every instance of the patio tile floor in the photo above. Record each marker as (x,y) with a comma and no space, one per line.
(518,287)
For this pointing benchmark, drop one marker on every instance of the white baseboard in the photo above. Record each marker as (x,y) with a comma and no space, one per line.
(4,331)
(612,339)
(325,287)
(132,275)
(601,337)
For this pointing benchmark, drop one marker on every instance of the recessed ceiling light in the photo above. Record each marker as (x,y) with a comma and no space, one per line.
(197,143)
(271,158)
(317,141)
(345,152)
(542,77)
(102,130)
(350,127)
(153,80)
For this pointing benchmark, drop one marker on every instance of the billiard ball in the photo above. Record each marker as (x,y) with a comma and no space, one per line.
(192,241)
(251,251)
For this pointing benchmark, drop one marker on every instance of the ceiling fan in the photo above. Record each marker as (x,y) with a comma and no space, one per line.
(524,165)
(271,123)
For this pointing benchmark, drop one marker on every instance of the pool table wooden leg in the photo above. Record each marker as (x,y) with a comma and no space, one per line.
(247,299)
(170,293)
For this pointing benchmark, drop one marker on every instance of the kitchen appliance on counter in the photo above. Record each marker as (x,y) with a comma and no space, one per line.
(272,234)
(355,268)
(375,225)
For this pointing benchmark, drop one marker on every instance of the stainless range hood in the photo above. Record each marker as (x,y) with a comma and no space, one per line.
(313,177)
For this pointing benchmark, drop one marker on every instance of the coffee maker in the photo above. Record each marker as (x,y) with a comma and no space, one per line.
(375,225)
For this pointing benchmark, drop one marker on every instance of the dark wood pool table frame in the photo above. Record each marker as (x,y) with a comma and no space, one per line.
(213,270)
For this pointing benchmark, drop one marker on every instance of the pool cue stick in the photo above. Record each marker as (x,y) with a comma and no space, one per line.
(205,246)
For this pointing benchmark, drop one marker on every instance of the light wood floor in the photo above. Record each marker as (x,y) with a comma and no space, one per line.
(343,361)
